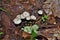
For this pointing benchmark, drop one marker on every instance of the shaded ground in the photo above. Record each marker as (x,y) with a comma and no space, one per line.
(47,30)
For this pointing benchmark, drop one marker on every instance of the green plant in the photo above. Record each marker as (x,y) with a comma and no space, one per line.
(27,29)
(1,33)
(44,18)
(3,9)
(32,30)
(33,35)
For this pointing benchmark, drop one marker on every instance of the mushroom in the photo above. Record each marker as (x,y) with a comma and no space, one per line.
(17,21)
(28,18)
(40,12)
(22,16)
(26,14)
(18,16)
(33,17)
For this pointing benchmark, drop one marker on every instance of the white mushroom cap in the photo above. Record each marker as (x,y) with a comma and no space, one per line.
(17,21)
(33,17)
(28,18)
(26,14)
(18,16)
(40,12)
(22,16)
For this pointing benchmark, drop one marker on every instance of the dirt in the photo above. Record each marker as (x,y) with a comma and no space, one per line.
(46,29)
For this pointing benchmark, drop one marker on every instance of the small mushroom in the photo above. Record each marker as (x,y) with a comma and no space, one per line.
(40,12)
(26,14)
(22,16)
(19,16)
(33,17)
(28,18)
(17,21)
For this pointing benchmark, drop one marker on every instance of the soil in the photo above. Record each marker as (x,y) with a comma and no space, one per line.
(47,30)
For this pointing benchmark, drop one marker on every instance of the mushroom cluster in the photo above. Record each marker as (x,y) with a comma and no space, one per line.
(24,15)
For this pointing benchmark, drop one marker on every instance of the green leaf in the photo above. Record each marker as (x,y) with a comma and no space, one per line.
(35,27)
(33,35)
(1,33)
(32,30)
(42,19)
(27,29)
(45,16)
